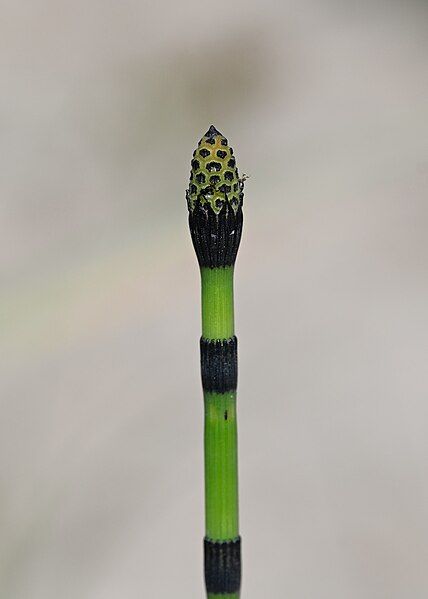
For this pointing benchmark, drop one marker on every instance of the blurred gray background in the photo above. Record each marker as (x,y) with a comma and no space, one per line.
(101,479)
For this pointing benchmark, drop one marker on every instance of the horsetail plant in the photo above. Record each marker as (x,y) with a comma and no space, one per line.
(214,200)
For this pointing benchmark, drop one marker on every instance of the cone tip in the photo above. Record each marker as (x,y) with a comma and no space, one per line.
(212,132)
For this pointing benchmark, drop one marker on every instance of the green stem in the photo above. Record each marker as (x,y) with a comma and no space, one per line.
(221,463)
(217,302)
(221,467)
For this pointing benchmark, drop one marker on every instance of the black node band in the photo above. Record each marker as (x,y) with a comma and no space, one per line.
(215,237)
(219,364)
(222,566)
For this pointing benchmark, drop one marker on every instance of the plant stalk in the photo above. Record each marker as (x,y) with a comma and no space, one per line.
(215,199)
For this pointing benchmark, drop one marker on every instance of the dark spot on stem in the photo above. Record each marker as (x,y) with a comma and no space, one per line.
(225,414)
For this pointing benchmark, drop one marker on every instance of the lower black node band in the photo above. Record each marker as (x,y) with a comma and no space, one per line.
(222,566)
(219,364)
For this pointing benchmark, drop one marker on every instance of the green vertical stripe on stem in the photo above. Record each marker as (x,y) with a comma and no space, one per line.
(221,467)
(217,302)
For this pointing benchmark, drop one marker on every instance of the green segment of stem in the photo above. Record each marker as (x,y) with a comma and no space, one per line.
(217,302)
(221,467)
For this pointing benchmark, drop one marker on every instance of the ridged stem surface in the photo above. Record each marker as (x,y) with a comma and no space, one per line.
(221,464)
(221,467)
(217,303)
